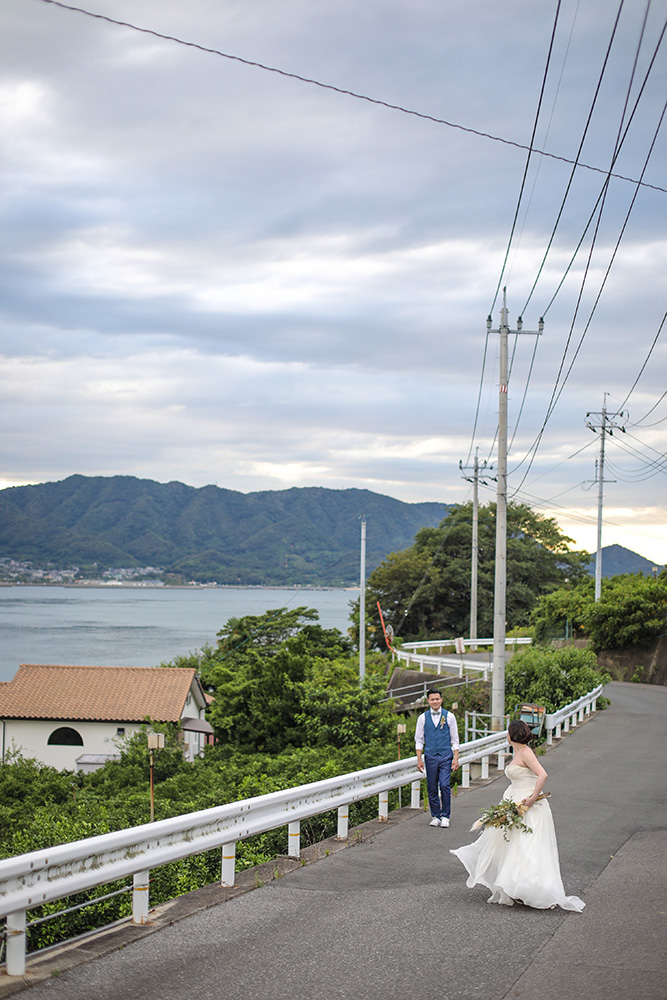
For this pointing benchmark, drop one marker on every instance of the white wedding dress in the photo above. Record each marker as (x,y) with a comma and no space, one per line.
(525,866)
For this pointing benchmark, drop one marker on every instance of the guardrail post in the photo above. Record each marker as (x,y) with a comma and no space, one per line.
(228,873)
(294,839)
(485,767)
(566,724)
(573,720)
(15,925)
(343,814)
(415,794)
(581,714)
(140,883)
(501,761)
(383,813)
(550,737)
(465,776)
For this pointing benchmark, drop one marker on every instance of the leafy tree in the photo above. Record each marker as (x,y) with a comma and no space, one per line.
(257,675)
(344,717)
(425,590)
(632,611)
(567,604)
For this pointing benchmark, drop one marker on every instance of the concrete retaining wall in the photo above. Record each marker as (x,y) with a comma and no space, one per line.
(641,663)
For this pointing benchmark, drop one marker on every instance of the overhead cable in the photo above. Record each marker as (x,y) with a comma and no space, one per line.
(339,90)
(530,150)
(641,370)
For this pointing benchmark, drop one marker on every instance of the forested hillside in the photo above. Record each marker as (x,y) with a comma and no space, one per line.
(306,536)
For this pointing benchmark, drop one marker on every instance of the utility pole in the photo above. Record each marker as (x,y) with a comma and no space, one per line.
(500,588)
(606,426)
(362,603)
(475,543)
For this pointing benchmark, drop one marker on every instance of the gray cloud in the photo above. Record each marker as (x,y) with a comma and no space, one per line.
(215,273)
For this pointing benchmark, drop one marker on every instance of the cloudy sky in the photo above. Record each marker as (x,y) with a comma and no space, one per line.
(216,273)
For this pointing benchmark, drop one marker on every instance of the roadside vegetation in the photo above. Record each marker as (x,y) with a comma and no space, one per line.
(632,611)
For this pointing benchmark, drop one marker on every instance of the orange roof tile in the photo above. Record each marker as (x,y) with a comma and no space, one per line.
(127,694)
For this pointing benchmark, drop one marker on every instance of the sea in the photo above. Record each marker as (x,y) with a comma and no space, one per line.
(138,626)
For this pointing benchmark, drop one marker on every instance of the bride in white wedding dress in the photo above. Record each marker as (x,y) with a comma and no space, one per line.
(513,864)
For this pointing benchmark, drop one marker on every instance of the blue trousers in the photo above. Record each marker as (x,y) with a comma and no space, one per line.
(438,773)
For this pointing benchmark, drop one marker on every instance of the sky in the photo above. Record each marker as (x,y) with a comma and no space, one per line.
(215,272)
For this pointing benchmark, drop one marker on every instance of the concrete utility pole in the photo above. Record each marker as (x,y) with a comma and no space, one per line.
(475,543)
(606,426)
(500,588)
(362,603)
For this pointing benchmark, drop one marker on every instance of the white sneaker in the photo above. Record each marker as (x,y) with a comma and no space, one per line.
(444,821)
(434,822)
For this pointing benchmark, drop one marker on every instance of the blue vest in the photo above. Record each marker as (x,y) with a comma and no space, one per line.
(437,740)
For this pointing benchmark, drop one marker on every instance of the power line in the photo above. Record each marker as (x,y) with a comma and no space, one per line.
(603,191)
(557,392)
(641,370)
(530,150)
(640,422)
(579,150)
(338,90)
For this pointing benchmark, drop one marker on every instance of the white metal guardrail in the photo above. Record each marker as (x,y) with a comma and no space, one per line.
(29,880)
(452,664)
(573,713)
(441,644)
(456,666)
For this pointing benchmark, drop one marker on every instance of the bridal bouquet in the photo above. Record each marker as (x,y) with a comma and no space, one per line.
(506,815)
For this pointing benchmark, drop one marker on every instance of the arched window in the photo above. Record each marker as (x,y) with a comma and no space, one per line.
(65,737)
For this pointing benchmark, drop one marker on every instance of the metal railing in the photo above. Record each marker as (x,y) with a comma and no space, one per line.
(441,644)
(478,724)
(418,692)
(453,666)
(569,716)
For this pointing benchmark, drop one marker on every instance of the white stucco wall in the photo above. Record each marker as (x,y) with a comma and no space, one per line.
(31,738)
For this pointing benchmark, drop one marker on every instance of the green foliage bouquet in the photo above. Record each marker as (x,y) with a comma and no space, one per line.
(506,815)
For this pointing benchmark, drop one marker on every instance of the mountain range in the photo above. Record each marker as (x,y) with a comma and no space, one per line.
(302,536)
(306,536)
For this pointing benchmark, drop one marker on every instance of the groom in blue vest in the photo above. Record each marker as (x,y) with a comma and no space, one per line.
(437,737)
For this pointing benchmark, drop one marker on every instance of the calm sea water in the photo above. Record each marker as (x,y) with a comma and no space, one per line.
(136,627)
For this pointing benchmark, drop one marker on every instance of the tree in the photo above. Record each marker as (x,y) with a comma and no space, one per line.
(349,716)
(425,590)
(632,611)
(258,672)
(553,611)
(551,677)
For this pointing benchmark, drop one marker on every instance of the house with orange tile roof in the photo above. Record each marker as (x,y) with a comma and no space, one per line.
(74,717)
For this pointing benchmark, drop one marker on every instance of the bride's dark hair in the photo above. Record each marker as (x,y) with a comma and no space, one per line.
(519,732)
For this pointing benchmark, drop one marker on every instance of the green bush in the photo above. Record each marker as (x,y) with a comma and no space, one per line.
(551,677)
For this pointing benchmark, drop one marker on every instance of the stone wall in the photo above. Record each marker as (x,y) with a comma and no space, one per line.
(642,663)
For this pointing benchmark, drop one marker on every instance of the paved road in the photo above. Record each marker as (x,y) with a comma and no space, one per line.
(392,918)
